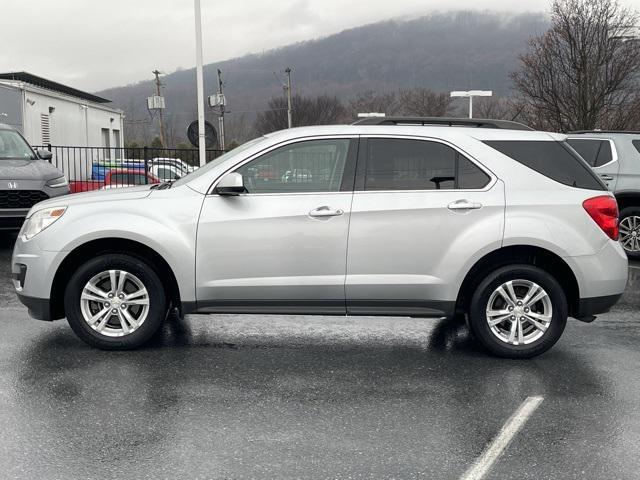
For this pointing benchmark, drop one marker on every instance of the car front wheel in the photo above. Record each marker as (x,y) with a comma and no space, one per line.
(518,311)
(115,302)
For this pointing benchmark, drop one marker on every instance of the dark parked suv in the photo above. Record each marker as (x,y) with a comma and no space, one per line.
(25,178)
(615,157)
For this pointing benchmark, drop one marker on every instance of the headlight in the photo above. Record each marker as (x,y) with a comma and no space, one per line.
(57,182)
(40,220)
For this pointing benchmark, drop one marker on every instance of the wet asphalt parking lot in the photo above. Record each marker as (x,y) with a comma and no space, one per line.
(314,397)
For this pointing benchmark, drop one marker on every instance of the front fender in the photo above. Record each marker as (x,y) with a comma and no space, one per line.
(166,223)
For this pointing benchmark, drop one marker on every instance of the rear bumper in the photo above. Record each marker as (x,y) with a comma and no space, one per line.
(39,308)
(596,305)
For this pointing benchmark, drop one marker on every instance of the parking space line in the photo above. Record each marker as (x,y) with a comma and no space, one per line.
(491,453)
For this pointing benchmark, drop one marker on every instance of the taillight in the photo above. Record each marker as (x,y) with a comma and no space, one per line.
(604,211)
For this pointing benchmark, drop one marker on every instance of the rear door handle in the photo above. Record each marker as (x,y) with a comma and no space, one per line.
(464,205)
(325,211)
(608,178)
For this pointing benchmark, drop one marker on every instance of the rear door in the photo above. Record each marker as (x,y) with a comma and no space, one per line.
(420,211)
(601,155)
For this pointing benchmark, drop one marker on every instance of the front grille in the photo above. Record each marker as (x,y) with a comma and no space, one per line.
(21,198)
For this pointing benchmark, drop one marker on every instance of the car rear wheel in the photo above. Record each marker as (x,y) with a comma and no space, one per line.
(518,311)
(630,231)
(115,302)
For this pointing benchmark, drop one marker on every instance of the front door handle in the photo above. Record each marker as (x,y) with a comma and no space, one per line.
(606,177)
(464,205)
(325,211)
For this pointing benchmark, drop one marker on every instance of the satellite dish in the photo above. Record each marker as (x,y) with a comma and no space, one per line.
(210,135)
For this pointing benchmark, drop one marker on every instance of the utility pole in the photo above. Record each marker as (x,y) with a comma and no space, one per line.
(288,89)
(222,107)
(158,85)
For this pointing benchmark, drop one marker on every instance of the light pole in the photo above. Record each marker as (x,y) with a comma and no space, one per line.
(200,86)
(470,94)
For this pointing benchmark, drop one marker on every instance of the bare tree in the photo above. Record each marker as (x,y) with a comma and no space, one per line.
(372,101)
(238,129)
(321,110)
(583,72)
(423,102)
(499,108)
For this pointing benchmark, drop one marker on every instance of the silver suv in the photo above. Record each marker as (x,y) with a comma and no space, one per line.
(506,226)
(615,156)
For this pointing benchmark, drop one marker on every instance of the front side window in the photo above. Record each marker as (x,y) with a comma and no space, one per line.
(402,164)
(309,166)
(13,146)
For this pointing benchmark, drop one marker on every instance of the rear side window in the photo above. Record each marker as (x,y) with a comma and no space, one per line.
(401,164)
(636,143)
(552,159)
(595,152)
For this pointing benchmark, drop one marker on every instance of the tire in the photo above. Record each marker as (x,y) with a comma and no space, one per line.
(532,340)
(114,329)
(630,220)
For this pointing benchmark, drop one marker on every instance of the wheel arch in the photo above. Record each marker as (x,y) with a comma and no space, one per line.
(93,248)
(523,254)
(627,198)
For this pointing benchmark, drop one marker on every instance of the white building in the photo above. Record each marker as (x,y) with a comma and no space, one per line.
(47,112)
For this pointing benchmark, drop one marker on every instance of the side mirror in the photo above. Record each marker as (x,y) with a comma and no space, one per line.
(231,184)
(44,154)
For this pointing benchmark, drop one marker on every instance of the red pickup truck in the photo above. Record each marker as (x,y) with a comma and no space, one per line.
(115,178)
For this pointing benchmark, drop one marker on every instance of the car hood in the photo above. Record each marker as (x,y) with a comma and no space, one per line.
(28,170)
(101,196)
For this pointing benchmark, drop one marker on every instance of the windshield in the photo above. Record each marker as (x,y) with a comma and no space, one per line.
(13,146)
(214,163)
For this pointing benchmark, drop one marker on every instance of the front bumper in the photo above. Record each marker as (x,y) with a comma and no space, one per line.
(39,308)
(32,272)
(12,218)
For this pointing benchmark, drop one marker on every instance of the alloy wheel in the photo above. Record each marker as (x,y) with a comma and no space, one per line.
(630,233)
(114,303)
(519,312)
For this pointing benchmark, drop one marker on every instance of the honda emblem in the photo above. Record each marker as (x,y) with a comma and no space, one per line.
(13,185)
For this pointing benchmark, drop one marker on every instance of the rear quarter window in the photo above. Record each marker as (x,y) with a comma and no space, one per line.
(552,159)
(595,152)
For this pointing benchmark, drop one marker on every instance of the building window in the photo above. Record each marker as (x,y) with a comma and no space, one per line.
(106,143)
(45,129)
(116,143)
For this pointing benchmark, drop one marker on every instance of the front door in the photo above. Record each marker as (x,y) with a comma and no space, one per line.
(280,247)
(420,212)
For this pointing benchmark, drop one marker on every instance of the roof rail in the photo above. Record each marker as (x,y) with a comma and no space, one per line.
(631,132)
(445,121)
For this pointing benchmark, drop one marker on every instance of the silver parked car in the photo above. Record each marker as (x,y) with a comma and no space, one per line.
(396,217)
(615,156)
(25,179)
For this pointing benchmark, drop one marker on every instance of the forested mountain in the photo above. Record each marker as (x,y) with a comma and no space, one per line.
(443,51)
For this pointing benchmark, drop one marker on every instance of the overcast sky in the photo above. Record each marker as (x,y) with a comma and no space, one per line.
(91,44)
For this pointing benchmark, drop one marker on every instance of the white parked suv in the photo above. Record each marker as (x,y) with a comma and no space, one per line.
(399,217)
(615,157)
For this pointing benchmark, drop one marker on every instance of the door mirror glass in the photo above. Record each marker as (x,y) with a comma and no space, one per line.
(231,184)
(44,154)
